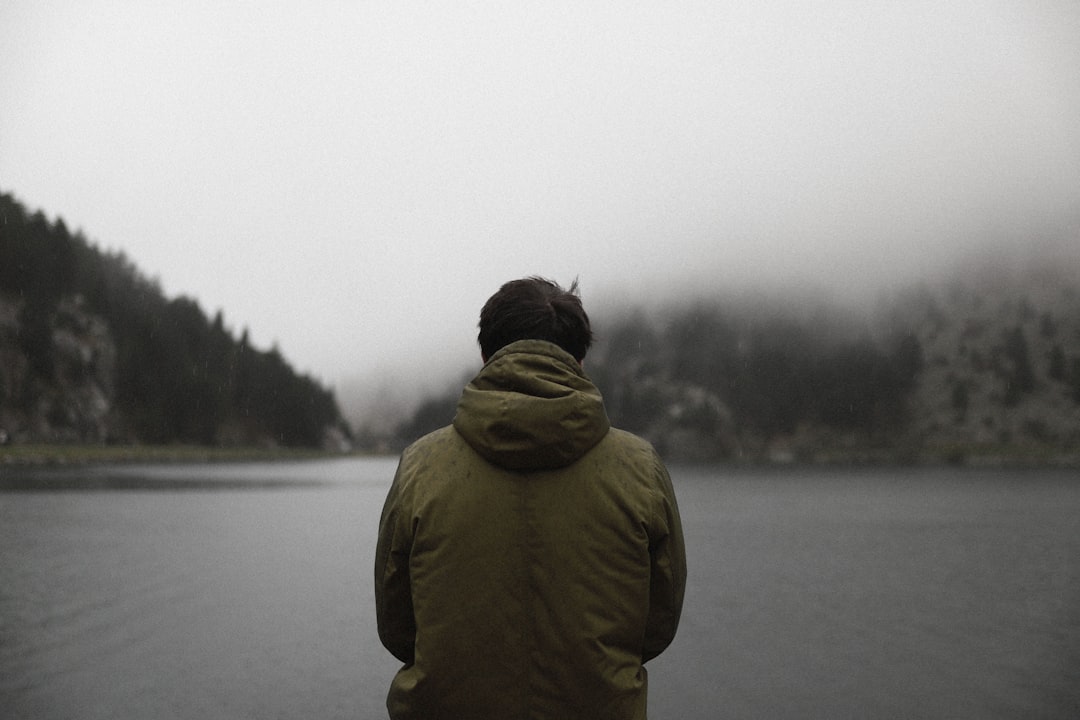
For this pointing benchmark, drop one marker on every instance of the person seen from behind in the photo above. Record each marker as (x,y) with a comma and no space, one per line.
(530,557)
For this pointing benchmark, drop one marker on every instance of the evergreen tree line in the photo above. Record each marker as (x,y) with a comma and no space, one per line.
(754,377)
(178,376)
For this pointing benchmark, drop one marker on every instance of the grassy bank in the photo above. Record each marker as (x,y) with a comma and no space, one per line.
(44,454)
(970,455)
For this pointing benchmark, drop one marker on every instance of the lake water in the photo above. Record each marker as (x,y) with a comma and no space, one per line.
(244,591)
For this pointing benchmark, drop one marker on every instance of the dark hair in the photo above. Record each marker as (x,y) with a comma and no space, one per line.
(535,309)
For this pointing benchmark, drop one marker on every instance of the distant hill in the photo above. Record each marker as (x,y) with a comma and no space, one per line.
(1002,364)
(92,351)
(984,367)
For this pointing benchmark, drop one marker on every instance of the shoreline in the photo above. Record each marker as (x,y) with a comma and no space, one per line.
(982,456)
(42,454)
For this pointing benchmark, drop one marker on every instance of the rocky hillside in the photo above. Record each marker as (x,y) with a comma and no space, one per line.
(1002,365)
(72,399)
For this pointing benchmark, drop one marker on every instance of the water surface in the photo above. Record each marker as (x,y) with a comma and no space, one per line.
(244,590)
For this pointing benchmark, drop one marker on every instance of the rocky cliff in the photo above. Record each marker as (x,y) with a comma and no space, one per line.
(1002,364)
(75,402)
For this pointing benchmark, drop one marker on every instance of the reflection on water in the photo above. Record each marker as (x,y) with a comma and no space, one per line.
(812,594)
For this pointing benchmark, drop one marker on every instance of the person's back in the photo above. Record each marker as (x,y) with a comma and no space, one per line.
(530,557)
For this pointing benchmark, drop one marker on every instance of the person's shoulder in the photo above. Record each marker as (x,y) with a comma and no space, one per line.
(628,439)
(432,440)
(630,445)
(432,443)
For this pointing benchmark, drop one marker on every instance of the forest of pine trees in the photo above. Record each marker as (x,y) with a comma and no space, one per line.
(91,350)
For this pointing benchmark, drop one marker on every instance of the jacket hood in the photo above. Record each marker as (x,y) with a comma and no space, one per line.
(531,407)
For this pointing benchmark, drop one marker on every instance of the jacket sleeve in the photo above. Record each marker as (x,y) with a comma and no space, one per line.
(667,579)
(393,589)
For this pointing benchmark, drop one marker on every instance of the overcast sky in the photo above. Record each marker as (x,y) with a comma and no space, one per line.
(351,180)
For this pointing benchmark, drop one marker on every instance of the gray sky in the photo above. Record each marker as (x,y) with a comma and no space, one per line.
(352,180)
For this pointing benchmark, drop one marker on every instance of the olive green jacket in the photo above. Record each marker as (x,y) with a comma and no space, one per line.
(530,558)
